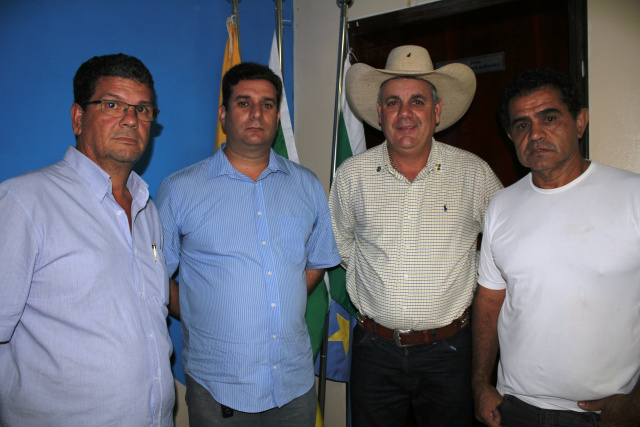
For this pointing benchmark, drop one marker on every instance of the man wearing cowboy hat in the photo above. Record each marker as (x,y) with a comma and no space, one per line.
(406,217)
(559,274)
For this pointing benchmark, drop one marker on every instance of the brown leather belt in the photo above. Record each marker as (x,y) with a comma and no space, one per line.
(408,337)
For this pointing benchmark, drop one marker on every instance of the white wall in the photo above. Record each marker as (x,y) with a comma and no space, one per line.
(614,86)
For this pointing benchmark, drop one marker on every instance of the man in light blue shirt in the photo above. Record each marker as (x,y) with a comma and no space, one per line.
(251,233)
(83,336)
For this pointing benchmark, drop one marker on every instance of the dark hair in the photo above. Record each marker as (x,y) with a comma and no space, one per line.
(249,71)
(532,80)
(118,65)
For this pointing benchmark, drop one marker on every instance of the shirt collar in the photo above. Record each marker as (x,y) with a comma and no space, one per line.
(219,165)
(98,181)
(434,162)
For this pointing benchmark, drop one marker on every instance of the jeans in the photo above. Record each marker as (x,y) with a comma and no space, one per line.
(516,413)
(204,411)
(433,379)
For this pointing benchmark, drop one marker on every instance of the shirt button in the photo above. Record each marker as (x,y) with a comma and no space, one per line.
(275,367)
(273,304)
(259,212)
(268,273)
(119,212)
(406,276)
(150,336)
(264,243)
(141,294)
(273,336)
(156,378)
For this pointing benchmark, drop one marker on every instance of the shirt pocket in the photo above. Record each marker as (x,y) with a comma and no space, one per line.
(295,234)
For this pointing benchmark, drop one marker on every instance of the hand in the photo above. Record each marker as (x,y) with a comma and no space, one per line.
(620,410)
(486,400)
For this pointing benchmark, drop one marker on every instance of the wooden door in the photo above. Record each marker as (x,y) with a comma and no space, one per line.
(530,34)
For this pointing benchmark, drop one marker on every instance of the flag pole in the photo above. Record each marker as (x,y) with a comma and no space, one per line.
(236,17)
(231,57)
(344,6)
(279,35)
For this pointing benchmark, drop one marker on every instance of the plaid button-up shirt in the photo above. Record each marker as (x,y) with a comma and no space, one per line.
(410,248)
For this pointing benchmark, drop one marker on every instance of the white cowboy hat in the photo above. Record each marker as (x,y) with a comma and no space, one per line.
(455,82)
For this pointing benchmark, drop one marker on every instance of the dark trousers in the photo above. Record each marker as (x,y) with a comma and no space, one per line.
(432,379)
(516,413)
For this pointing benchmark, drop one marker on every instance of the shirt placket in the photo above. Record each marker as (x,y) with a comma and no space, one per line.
(135,252)
(271,287)
(407,243)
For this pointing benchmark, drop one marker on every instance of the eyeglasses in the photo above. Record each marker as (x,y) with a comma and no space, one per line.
(144,112)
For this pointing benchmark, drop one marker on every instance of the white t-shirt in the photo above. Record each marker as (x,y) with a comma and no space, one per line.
(569,259)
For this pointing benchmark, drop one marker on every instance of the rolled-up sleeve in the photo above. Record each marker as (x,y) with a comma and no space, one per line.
(170,226)
(321,246)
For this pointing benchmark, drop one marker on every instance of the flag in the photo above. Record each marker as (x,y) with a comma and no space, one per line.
(350,142)
(283,143)
(341,324)
(350,132)
(231,58)
(342,313)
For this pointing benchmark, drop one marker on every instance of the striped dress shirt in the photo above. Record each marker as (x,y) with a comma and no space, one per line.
(410,248)
(83,305)
(242,247)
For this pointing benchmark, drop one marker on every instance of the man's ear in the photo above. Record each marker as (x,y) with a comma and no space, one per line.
(76,119)
(222,112)
(509,135)
(438,108)
(379,108)
(581,121)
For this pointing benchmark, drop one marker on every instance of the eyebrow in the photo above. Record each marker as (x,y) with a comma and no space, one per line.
(547,111)
(413,96)
(249,97)
(119,98)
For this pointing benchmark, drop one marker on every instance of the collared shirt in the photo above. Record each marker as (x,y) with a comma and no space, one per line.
(83,307)
(242,247)
(410,247)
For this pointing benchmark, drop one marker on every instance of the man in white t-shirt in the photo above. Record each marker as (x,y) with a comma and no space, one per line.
(559,294)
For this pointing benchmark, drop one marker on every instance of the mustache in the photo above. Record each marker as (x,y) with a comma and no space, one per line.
(405,123)
(126,135)
(536,145)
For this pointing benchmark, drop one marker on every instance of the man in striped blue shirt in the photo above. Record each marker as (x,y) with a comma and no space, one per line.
(251,234)
(84,288)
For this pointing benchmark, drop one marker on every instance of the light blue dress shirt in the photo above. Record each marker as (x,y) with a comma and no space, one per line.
(83,332)
(243,247)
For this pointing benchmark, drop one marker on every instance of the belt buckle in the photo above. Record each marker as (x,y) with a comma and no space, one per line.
(464,319)
(396,337)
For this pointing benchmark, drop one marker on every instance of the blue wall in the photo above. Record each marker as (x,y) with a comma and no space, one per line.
(42,43)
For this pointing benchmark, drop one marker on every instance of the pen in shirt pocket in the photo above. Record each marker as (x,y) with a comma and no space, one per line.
(155,254)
